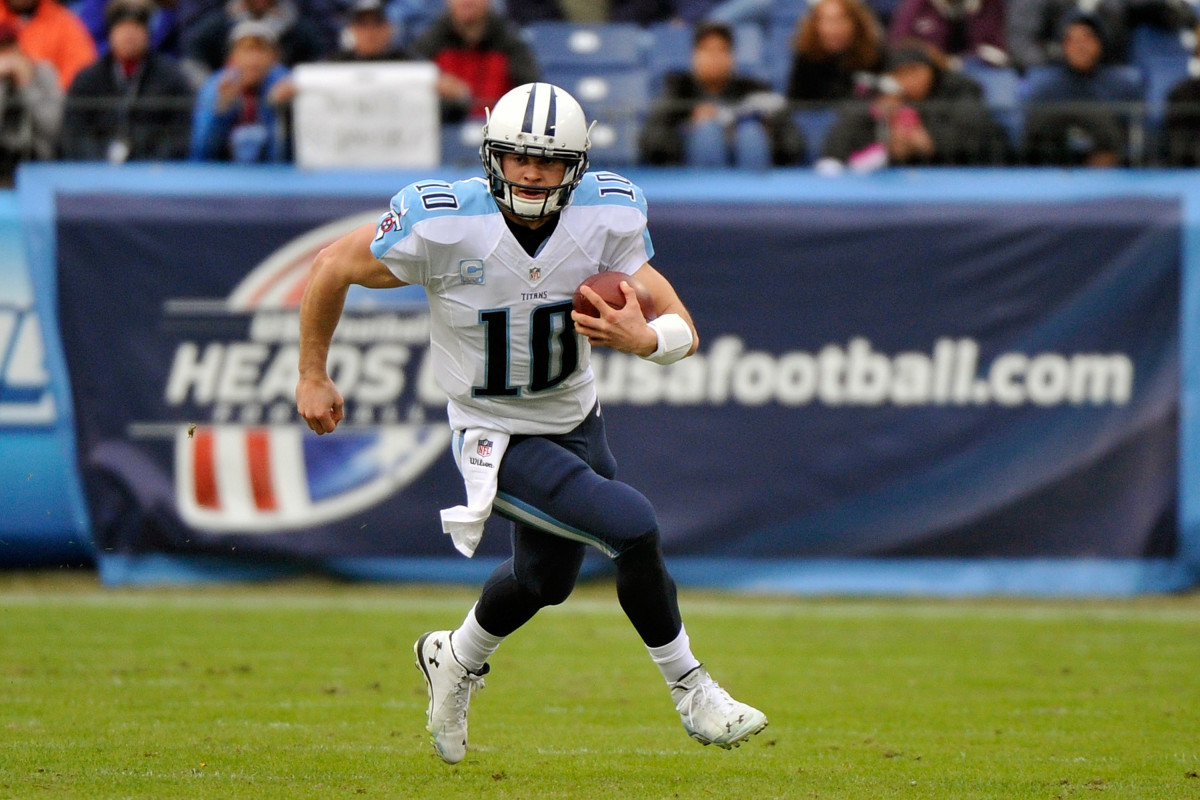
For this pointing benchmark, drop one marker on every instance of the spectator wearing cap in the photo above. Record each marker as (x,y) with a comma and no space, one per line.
(51,32)
(711,116)
(31,105)
(298,38)
(133,104)
(481,55)
(1078,110)
(369,35)
(241,111)
(921,113)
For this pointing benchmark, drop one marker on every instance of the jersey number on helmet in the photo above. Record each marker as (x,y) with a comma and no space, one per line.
(551,334)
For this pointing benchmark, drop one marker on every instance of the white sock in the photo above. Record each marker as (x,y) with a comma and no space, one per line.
(675,658)
(473,645)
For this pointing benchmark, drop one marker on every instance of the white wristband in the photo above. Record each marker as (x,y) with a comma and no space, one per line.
(674,339)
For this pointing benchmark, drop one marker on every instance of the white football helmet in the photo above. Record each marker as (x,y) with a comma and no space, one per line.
(536,119)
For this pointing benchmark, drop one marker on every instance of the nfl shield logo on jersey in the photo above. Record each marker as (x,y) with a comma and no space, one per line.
(485,448)
(535,273)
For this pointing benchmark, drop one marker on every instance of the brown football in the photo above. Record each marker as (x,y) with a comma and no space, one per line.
(608,286)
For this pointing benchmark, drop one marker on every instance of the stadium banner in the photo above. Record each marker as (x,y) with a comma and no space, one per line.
(44,521)
(921,382)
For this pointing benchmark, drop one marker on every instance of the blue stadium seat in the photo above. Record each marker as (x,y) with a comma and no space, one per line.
(779,55)
(614,142)
(815,124)
(750,51)
(573,44)
(784,13)
(1000,84)
(616,89)
(1150,43)
(1161,74)
(1001,91)
(668,49)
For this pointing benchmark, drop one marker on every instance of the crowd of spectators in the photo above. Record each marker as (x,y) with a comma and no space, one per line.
(899,81)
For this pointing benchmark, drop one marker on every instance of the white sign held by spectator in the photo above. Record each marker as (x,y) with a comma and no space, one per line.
(366,115)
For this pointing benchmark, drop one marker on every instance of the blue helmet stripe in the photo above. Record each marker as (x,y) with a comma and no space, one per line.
(551,114)
(527,125)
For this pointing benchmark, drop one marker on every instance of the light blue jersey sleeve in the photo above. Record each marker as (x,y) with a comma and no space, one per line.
(632,247)
(398,241)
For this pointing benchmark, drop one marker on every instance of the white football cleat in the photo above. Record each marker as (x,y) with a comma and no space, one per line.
(710,715)
(450,688)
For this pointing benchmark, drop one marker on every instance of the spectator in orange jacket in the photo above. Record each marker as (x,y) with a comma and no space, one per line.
(50,32)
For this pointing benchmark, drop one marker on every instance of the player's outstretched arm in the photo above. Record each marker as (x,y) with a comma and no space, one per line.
(345,262)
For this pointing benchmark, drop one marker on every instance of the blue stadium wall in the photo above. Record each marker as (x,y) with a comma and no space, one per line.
(933,381)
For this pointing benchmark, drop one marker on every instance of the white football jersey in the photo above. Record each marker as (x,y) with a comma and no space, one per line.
(502,341)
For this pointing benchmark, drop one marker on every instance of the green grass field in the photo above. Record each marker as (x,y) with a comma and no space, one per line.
(307,690)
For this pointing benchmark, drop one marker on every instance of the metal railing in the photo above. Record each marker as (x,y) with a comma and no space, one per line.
(1141,130)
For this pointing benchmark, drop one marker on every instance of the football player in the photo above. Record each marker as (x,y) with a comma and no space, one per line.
(500,258)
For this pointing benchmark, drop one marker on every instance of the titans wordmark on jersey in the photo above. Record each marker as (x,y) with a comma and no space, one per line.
(504,347)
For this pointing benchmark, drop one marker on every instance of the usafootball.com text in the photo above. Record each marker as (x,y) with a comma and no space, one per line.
(856,374)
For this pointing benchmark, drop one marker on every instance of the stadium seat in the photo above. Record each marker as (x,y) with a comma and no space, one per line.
(784,13)
(999,84)
(1001,91)
(779,54)
(750,51)
(668,49)
(815,124)
(1161,73)
(614,141)
(559,44)
(620,89)
(1149,43)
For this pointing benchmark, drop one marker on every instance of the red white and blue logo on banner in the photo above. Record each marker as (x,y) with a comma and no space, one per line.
(257,469)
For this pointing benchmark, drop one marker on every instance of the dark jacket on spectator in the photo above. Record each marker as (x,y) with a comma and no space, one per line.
(501,61)
(959,123)
(1183,124)
(524,12)
(826,80)
(1066,115)
(643,12)
(150,114)
(662,136)
(300,38)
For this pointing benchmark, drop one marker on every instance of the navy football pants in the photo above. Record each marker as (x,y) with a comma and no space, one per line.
(559,492)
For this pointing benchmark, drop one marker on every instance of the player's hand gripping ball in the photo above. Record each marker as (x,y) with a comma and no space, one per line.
(608,286)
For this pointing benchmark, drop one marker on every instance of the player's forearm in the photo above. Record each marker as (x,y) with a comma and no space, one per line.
(320,309)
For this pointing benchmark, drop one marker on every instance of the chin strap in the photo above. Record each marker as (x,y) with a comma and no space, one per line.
(674,339)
